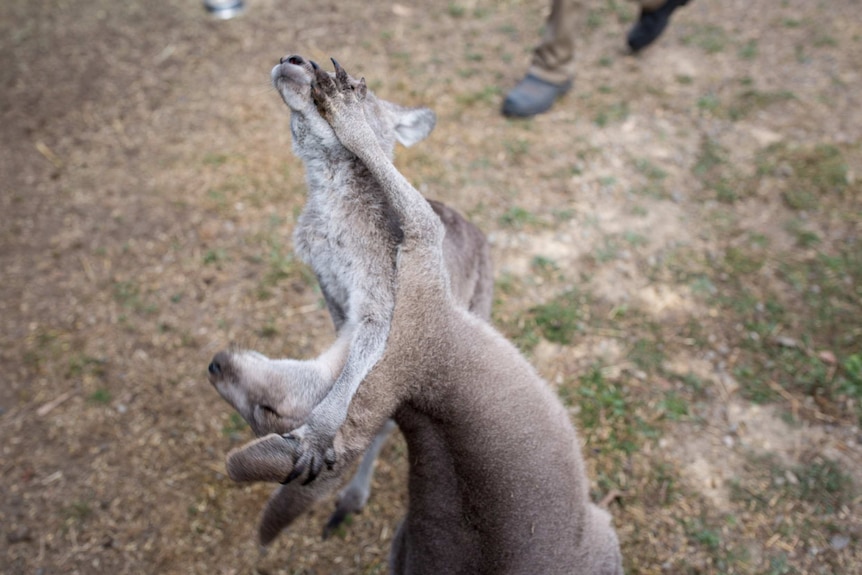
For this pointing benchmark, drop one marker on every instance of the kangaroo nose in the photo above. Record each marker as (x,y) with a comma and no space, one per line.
(216,366)
(295,60)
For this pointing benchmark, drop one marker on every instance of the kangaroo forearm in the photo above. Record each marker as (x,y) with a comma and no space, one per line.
(415,213)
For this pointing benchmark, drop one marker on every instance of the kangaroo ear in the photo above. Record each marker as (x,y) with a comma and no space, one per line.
(411,124)
(269,458)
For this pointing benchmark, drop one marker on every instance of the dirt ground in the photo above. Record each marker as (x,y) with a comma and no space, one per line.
(678,248)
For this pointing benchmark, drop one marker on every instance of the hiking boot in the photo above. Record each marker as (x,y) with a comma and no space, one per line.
(651,24)
(533,96)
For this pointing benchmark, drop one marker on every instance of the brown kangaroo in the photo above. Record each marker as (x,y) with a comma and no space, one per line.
(497,482)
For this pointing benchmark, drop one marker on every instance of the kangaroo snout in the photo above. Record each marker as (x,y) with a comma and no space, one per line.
(218,364)
(297,60)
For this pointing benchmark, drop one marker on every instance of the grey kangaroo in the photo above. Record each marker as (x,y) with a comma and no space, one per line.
(348,234)
(497,483)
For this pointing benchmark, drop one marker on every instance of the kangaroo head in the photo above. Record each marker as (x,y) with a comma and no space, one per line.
(272,395)
(312,134)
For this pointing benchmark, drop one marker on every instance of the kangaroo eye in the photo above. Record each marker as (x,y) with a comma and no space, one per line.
(268,410)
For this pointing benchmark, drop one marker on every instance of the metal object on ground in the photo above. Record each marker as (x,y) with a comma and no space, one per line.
(224,9)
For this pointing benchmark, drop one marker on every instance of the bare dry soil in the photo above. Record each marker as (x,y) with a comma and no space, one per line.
(678,249)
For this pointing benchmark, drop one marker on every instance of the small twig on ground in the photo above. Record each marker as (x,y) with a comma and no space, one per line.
(611,496)
(49,407)
(794,403)
(49,155)
(88,269)
(663,492)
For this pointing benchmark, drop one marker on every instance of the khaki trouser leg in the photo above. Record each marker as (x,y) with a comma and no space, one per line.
(554,59)
(650,5)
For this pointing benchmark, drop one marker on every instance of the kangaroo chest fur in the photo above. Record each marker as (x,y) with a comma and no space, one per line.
(348,234)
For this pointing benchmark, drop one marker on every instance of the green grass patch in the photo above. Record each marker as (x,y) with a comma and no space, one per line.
(612,113)
(100,396)
(709,103)
(280,265)
(545,267)
(560,319)
(830,287)
(701,533)
(485,96)
(610,417)
(647,352)
(851,378)
(709,38)
(214,257)
(128,295)
(650,170)
(750,101)
(711,157)
(635,239)
(748,51)
(608,250)
(517,218)
(507,283)
(80,364)
(713,169)
(78,511)
(681,265)
(595,19)
(214,159)
(456,10)
(742,261)
(819,484)
(234,425)
(810,174)
(517,149)
(674,406)
(805,238)
(268,330)
(815,307)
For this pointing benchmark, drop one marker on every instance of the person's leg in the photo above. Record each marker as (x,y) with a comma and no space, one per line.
(654,17)
(650,5)
(554,59)
(552,67)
